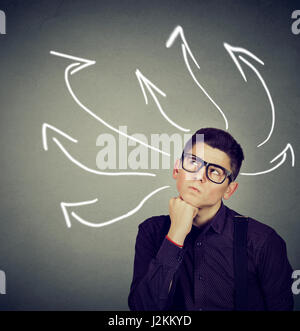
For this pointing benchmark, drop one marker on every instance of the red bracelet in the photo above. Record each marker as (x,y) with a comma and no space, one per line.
(173,242)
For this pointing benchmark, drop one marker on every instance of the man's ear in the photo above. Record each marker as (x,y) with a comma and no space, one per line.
(232,187)
(176,168)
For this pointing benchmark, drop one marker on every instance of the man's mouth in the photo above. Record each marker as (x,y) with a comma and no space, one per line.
(194,189)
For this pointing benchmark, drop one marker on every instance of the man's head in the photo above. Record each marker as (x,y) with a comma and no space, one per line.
(218,148)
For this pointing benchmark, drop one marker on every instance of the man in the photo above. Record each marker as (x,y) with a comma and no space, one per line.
(186,260)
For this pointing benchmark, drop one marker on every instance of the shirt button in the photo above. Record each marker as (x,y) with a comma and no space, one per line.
(199,243)
(200,309)
(200,277)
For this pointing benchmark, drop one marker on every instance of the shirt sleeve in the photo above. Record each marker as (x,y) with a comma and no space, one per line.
(153,273)
(275,273)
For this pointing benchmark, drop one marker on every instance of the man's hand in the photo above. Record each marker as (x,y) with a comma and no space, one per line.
(182,215)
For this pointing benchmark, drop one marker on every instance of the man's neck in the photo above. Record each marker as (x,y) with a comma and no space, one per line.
(205,214)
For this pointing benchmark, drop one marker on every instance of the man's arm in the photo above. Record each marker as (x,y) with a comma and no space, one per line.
(153,273)
(275,273)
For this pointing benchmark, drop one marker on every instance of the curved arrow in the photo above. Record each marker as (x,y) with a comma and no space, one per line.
(77,66)
(186,50)
(232,50)
(73,160)
(283,154)
(143,81)
(64,206)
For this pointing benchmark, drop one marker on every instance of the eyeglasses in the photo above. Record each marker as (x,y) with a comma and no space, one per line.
(215,173)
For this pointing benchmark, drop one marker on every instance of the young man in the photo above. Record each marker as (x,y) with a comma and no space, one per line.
(187,260)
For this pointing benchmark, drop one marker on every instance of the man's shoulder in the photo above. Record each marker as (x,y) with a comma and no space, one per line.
(155,228)
(156,222)
(258,232)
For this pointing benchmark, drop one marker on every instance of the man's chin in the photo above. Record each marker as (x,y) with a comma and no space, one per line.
(193,202)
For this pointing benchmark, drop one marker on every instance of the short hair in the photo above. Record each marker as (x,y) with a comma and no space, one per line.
(222,140)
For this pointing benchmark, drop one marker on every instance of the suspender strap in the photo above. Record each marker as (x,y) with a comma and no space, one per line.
(240,262)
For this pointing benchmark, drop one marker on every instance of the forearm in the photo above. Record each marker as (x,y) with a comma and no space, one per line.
(153,290)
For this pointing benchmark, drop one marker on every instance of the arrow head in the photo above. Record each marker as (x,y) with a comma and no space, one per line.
(79,64)
(64,206)
(284,152)
(178,31)
(143,81)
(232,51)
(53,128)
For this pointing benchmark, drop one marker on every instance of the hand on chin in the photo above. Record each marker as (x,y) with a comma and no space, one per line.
(189,200)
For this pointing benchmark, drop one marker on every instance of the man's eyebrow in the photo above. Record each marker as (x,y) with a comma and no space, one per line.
(196,157)
(212,163)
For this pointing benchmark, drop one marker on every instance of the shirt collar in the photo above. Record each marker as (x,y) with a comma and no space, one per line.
(218,221)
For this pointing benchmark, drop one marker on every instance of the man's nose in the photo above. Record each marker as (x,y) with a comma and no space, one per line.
(200,174)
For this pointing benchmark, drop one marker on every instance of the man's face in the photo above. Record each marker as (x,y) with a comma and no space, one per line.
(195,188)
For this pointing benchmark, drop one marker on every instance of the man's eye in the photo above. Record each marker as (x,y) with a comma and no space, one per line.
(193,161)
(215,171)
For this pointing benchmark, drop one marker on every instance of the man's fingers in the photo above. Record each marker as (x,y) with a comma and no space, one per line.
(195,212)
(172,200)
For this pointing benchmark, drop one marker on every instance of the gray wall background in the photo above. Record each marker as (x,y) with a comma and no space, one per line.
(50,266)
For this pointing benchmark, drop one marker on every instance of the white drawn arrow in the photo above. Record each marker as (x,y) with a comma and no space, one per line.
(73,160)
(65,205)
(143,81)
(77,66)
(186,50)
(283,154)
(235,50)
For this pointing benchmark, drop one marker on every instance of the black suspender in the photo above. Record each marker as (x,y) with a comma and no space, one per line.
(240,262)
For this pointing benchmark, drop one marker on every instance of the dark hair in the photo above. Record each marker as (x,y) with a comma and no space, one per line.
(222,140)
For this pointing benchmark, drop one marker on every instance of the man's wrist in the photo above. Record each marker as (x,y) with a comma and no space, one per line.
(173,242)
(176,238)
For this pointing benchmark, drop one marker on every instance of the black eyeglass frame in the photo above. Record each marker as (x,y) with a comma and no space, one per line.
(228,173)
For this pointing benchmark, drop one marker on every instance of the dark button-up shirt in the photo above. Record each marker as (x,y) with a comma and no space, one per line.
(200,276)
